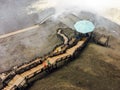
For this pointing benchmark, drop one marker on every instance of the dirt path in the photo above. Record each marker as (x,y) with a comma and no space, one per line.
(19,31)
